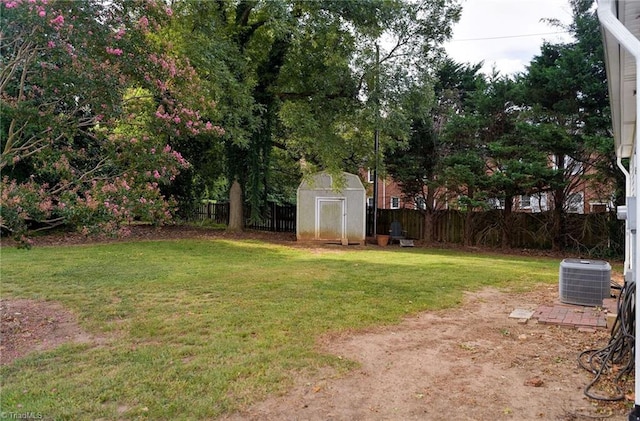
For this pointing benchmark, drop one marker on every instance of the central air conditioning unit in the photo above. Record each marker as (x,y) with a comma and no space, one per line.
(584,282)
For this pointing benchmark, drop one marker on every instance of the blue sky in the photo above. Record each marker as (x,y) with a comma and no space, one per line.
(498,32)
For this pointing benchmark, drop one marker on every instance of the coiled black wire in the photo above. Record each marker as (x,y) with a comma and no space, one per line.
(618,353)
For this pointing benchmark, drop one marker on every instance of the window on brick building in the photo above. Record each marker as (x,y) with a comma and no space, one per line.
(571,165)
(599,207)
(496,203)
(371,176)
(575,203)
(395,202)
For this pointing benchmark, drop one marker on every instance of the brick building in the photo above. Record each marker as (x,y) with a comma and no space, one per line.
(585,195)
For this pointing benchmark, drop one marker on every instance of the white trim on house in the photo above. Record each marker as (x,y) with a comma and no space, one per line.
(621,35)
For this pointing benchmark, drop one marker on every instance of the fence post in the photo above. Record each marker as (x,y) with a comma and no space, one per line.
(274,217)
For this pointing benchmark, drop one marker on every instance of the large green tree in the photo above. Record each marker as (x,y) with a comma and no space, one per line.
(515,163)
(566,92)
(418,164)
(304,77)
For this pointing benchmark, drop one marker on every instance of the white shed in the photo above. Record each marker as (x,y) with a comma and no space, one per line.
(331,209)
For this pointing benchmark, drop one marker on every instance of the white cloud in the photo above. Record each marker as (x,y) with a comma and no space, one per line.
(492,31)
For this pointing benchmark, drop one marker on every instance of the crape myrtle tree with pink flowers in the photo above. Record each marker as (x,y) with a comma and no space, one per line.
(92,104)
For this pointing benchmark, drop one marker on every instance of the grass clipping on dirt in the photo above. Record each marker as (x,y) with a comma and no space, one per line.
(205,327)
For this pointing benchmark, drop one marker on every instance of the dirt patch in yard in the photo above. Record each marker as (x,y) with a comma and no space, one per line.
(28,326)
(468,363)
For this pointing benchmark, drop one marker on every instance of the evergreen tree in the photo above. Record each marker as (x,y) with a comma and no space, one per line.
(566,93)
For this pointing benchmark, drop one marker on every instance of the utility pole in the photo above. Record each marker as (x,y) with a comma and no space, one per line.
(376,144)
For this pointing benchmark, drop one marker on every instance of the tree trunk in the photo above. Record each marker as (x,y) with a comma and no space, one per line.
(559,197)
(507,225)
(557,236)
(235,207)
(556,227)
(427,230)
(468,220)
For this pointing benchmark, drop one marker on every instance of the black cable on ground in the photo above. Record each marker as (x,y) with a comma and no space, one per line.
(618,356)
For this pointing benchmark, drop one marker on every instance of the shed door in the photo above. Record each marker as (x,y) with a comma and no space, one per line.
(330,220)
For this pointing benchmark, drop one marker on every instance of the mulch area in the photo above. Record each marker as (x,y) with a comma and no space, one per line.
(150,233)
(180,231)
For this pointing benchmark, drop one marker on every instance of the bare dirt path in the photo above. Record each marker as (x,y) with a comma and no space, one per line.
(469,363)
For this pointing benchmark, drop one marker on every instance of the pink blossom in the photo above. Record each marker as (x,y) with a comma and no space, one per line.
(45,205)
(156,174)
(11,4)
(125,231)
(143,22)
(169,11)
(183,162)
(114,51)
(161,85)
(42,13)
(51,44)
(57,21)
(120,33)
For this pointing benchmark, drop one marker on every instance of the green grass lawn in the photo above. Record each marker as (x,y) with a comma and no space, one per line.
(194,329)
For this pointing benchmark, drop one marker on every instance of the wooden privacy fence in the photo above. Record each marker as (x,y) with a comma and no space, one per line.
(216,212)
(591,233)
(587,233)
(278,218)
